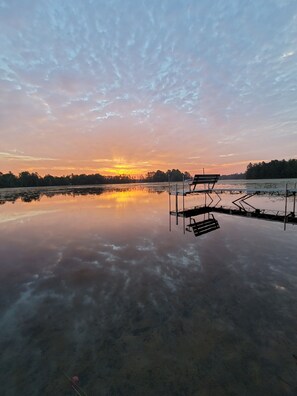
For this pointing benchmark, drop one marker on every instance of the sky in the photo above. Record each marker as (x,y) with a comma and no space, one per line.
(132,86)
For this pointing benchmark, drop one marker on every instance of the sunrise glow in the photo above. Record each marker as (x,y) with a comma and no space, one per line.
(127,87)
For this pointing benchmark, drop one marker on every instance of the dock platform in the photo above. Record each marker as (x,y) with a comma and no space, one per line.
(254,191)
(241,206)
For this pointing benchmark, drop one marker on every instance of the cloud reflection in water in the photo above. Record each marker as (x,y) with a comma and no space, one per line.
(98,286)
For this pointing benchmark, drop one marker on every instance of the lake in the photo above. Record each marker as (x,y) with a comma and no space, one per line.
(101,283)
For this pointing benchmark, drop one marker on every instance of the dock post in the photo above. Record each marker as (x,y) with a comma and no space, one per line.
(205,193)
(294,202)
(184,221)
(176,204)
(286,205)
(169,194)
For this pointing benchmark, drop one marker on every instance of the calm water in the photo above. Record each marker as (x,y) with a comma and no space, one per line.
(94,284)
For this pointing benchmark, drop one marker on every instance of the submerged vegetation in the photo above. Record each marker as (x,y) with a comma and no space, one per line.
(27,179)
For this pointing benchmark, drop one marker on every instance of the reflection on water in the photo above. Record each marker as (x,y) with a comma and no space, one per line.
(95,285)
(203,226)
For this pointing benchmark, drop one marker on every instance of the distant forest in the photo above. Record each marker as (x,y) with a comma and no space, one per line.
(27,179)
(262,170)
(267,170)
(272,170)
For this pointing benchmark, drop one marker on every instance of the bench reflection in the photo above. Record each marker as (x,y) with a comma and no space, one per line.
(203,227)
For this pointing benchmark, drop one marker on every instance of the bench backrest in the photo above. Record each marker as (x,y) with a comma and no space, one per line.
(209,179)
(203,227)
(202,179)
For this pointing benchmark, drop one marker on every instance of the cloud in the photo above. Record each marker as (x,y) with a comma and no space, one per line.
(287,54)
(25,158)
(226,155)
(108,115)
(102,160)
(165,83)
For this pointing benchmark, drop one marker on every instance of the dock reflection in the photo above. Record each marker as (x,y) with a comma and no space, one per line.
(99,286)
(203,226)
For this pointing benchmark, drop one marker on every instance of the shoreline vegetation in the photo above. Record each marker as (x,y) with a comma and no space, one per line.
(27,179)
(274,169)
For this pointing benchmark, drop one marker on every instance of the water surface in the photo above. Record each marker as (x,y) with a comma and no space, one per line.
(94,284)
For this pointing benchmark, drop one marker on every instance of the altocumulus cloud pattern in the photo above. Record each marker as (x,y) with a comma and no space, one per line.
(97,84)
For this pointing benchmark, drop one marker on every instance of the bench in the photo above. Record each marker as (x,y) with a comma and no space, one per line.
(205,226)
(209,179)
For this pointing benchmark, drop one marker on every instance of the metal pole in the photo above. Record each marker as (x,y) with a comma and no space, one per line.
(176,204)
(184,224)
(183,192)
(294,202)
(204,196)
(169,191)
(286,205)
(169,194)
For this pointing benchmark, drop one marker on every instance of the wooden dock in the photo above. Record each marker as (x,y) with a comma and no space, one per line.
(239,190)
(263,214)
(241,206)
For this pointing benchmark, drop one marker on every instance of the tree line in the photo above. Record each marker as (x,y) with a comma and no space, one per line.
(274,169)
(261,170)
(33,179)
